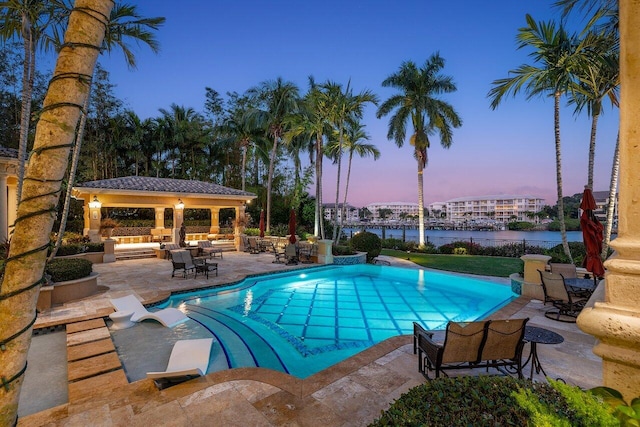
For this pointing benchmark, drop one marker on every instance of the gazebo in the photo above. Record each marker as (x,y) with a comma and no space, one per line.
(8,198)
(158,194)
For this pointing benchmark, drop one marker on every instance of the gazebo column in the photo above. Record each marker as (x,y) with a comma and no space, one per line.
(95,216)
(159,223)
(178,217)
(215,221)
(239,227)
(616,320)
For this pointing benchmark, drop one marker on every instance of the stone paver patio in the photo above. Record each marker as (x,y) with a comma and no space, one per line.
(351,393)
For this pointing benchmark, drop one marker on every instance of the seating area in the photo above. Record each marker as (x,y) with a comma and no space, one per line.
(185,264)
(131,306)
(470,345)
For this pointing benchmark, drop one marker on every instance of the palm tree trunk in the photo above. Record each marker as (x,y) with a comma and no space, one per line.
(272,163)
(613,186)
(75,156)
(25,113)
(346,188)
(420,202)
(319,213)
(592,149)
(244,165)
(54,134)
(336,228)
(563,226)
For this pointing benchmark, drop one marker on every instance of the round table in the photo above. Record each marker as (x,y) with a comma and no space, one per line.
(121,320)
(535,336)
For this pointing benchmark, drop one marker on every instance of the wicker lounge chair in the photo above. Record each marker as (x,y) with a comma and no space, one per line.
(207,248)
(169,317)
(189,359)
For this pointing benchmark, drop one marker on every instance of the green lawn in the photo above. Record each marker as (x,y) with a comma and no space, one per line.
(471,264)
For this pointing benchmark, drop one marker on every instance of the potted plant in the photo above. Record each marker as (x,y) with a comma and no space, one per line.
(107,225)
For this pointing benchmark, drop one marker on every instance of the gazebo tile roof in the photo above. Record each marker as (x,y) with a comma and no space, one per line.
(163,185)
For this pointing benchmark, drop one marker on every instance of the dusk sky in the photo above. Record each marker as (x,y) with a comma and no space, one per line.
(234,45)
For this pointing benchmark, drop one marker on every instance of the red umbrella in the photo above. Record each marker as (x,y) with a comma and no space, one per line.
(261,223)
(592,235)
(292,226)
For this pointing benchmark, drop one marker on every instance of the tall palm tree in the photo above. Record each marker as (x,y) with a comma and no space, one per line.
(29,20)
(418,103)
(598,78)
(353,144)
(125,25)
(344,106)
(41,190)
(278,99)
(554,55)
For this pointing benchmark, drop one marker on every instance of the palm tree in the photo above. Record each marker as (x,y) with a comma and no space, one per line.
(353,144)
(554,54)
(29,20)
(41,190)
(418,103)
(344,106)
(125,25)
(278,100)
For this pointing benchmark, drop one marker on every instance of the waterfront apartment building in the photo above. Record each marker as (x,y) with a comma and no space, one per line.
(501,208)
(395,211)
(351,213)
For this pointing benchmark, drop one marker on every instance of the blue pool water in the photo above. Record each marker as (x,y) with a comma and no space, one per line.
(304,321)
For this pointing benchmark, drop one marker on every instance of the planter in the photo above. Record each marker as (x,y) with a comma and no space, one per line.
(70,290)
(359,258)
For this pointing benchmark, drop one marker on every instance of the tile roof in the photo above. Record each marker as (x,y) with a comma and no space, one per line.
(163,185)
(8,152)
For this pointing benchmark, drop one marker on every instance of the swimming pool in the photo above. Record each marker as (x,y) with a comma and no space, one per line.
(304,321)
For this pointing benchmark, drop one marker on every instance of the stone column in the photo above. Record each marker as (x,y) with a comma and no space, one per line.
(159,222)
(178,216)
(532,285)
(615,322)
(95,216)
(215,220)
(325,254)
(4,209)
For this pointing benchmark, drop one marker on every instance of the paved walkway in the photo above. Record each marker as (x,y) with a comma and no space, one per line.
(351,393)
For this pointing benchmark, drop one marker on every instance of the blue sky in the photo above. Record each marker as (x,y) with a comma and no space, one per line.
(234,45)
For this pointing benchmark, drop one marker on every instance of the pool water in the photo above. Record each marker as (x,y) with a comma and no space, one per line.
(304,321)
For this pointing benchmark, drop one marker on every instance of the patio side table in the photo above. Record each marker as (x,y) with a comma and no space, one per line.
(535,335)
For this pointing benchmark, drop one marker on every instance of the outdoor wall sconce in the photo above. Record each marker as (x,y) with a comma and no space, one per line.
(180,205)
(95,203)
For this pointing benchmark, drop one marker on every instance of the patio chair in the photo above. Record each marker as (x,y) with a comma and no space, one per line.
(254,248)
(503,344)
(207,248)
(305,252)
(569,271)
(182,261)
(567,305)
(461,348)
(291,253)
(168,317)
(189,359)
(278,253)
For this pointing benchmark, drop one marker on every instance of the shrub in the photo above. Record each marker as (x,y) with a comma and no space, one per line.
(366,242)
(108,223)
(94,247)
(460,251)
(338,250)
(65,269)
(472,248)
(520,225)
(396,244)
(73,249)
(577,252)
(252,231)
(489,400)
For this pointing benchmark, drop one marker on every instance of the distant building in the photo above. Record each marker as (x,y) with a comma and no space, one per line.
(602,203)
(501,208)
(399,210)
(437,209)
(350,212)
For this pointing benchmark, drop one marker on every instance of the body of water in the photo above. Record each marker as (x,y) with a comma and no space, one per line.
(545,239)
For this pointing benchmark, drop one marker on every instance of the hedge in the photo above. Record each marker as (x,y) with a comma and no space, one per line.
(64,269)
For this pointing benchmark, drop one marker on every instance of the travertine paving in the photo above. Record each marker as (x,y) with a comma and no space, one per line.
(351,393)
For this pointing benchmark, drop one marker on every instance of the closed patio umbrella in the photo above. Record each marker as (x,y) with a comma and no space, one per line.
(261,223)
(292,226)
(592,234)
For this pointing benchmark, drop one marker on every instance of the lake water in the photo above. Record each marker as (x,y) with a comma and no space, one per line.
(545,239)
